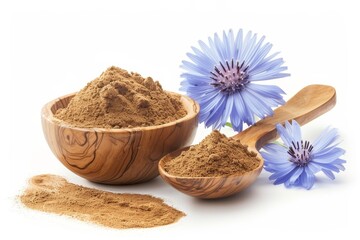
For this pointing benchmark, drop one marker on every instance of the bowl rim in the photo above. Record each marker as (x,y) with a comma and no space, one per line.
(47,114)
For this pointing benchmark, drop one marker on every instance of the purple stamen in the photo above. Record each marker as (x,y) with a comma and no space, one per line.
(230,79)
(300,153)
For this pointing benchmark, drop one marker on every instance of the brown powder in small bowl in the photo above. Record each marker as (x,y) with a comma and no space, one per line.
(51,193)
(118,99)
(214,156)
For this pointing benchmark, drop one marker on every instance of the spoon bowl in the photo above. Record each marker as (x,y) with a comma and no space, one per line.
(309,103)
(208,187)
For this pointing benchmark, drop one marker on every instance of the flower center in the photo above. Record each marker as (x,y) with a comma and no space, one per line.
(229,77)
(300,153)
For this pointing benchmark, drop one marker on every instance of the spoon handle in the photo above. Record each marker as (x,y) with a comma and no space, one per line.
(309,103)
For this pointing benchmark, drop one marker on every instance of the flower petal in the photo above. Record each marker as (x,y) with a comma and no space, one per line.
(239,44)
(231,45)
(328,166)
(327,138)
(209,106)
(247,43)
(218,46)
(215,113)
(313,167)
(287,139)
(209,52)
(328,173)
(240,113)
(273,148)
(284,178)
(227,110)
(295,176)
(203,55)
(328,156)
(194,69)
(259,57)
(296,131)
(267,97)
(226,46)
(256,105)
(291,169)
(254,53)
(308,180)
(200,61)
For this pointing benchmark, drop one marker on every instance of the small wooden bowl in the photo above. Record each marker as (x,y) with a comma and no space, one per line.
(309,103)
(208,187)
(116,156)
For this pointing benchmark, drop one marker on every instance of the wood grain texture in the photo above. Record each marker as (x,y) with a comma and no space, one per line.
(309,103)
(207,187)
(306,105)
(116,156)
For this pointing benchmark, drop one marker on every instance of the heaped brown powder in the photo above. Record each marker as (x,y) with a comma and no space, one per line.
(51,193)
(118,99)
(216,155)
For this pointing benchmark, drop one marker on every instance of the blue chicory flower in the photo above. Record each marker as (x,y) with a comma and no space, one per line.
(296,163)
(220,76)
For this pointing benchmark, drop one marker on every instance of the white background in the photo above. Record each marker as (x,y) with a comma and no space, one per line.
(51,49)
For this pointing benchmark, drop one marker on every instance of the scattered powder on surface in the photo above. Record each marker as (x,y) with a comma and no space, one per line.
(216,155)
(118,99)
(51,193)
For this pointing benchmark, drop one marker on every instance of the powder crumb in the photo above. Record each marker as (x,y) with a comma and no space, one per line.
(118,99)
(214,156)
(51,193)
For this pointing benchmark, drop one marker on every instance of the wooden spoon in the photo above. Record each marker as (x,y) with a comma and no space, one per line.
(309,103)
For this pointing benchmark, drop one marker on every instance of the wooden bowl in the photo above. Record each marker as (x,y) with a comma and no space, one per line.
(208,187)
(116,156)
(309,103)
